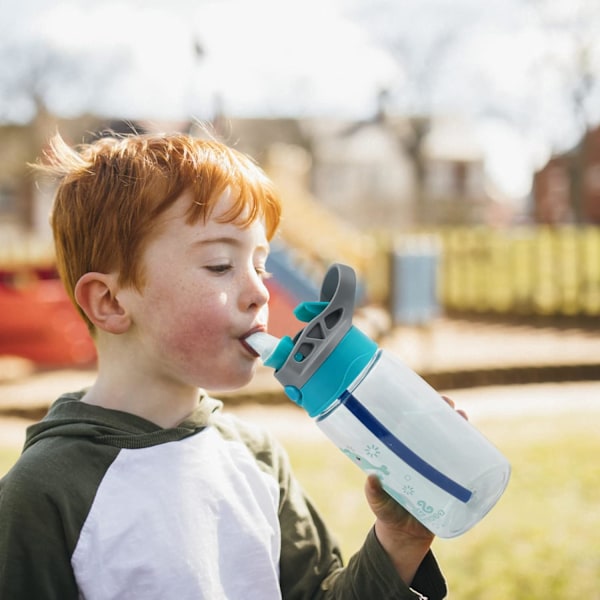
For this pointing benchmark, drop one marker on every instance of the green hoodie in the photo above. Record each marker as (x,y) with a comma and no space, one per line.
(103,504)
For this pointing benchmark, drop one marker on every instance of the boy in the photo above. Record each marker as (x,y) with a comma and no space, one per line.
(140,487)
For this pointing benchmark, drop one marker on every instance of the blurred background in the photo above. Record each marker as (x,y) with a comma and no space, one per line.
(448,150)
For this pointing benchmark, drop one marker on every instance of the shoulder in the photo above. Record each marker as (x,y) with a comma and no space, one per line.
(267,451)
(56,461)
(38,468)
(39,526)
(52,485)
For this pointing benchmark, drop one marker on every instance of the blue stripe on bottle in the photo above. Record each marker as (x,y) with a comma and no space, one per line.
(379,430)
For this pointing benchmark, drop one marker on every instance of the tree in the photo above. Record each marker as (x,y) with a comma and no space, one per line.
(550,94)
(36,80)
(421,47)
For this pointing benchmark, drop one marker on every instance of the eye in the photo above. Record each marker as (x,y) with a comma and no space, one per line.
(262,272)
(219,269)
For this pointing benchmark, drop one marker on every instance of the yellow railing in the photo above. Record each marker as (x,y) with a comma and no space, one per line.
(524,271)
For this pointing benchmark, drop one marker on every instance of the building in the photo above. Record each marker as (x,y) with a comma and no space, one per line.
(567,188)
(369,174)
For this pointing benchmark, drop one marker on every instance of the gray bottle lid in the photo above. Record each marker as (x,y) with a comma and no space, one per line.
(328,321)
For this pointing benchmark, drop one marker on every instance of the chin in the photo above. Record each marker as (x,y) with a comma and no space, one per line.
(234,381)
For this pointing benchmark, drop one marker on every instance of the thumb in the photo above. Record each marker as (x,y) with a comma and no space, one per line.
(380,502)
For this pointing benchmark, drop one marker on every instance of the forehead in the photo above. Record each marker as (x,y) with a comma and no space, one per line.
(175,222)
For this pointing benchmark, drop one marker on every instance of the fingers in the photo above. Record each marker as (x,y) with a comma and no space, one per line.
(449,401)
(374,490)
(452,404)
(382,504)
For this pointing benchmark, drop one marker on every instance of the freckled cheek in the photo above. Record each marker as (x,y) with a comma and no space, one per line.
(203,326)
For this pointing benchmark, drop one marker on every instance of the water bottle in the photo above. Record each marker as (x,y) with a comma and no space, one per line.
(384,416)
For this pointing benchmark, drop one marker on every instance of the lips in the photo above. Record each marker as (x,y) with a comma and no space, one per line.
(248,348)
(245,344)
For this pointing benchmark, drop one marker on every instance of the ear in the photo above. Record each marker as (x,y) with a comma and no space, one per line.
(96,294)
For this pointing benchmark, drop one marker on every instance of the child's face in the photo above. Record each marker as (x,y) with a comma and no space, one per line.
(203,293)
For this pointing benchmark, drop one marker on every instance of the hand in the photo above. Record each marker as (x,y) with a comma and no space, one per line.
(392,516)
(404,539)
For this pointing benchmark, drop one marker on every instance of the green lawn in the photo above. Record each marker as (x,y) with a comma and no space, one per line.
(7,458)
(540,542)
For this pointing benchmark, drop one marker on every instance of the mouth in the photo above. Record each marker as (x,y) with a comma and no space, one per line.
(246,335)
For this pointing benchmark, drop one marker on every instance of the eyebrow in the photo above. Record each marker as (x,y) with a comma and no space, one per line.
(231,241)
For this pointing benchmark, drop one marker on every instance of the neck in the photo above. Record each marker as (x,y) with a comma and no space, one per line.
(120,386)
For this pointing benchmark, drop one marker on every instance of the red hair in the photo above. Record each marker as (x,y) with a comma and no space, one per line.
(112,191)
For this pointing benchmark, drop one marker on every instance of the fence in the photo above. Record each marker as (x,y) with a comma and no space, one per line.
(414,280)
(522,271)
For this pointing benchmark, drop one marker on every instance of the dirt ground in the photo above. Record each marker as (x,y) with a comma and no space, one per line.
(483,404)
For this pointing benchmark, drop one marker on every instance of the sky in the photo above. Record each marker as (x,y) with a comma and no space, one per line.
(476,60)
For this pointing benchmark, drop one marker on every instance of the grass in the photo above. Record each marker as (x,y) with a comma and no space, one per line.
(540,542)
(8,456)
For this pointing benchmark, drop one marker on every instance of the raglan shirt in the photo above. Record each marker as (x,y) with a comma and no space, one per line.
(106,505)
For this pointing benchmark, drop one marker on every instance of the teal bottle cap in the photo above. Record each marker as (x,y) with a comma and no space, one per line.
(329,351)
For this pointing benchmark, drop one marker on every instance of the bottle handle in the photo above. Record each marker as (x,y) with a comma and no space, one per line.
(328,321)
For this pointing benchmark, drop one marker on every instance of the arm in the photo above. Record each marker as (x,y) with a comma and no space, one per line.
(34,562)
(311,566)
(406,542)
(403,538)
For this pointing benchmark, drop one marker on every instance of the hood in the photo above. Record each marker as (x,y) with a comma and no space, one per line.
(69,417)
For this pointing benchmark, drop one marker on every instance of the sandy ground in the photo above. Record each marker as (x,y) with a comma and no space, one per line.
(502,403)
(448,345)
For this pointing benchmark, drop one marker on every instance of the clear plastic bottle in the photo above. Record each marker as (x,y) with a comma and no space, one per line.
(384,416)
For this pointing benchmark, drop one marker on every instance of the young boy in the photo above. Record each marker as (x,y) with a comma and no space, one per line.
(141,487)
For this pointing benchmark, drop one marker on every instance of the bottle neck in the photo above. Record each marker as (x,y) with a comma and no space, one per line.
(338,372)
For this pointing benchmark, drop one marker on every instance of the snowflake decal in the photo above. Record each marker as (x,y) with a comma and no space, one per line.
(372,451)
(408,490)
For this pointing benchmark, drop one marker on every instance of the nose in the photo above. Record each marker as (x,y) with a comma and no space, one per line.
(256,295)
